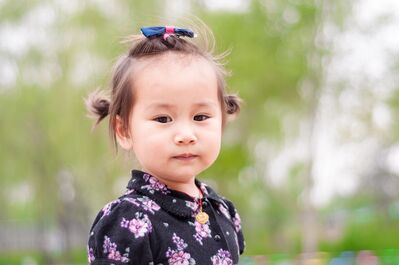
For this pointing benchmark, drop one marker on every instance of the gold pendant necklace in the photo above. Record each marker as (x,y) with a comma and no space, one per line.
(201,217)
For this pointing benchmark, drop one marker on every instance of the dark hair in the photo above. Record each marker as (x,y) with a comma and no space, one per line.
(120,101)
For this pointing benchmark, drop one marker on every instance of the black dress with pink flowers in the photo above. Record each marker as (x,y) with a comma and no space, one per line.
(151,224)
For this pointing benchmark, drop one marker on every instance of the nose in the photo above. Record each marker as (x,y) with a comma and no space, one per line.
(185,136)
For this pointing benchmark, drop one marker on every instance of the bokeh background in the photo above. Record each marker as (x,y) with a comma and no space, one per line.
(312,162)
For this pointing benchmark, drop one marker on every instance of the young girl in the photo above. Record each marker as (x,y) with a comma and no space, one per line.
(169,106)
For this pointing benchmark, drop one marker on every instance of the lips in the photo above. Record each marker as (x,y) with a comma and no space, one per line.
(185,156)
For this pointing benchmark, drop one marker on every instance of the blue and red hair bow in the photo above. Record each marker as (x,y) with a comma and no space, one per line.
(166,31)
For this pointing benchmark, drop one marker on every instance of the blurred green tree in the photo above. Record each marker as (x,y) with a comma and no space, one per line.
(71,172)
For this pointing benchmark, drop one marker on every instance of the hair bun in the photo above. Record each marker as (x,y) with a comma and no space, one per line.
(97,104)
(232,104)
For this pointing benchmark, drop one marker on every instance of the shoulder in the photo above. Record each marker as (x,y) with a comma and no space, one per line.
(129,203)
(232,213)
(127,206)
(120,228)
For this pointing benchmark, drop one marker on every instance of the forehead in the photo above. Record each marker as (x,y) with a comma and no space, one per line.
(175,79)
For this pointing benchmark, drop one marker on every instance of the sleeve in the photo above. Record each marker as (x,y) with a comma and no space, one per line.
(120,235)
(235,218)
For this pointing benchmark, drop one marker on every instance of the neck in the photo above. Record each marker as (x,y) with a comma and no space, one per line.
(189,188)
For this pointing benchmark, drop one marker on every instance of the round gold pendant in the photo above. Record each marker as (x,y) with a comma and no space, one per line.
(202,217)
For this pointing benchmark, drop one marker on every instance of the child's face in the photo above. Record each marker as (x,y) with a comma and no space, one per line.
(176,119)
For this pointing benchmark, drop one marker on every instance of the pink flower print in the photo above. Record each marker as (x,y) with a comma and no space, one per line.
(237,222)
(203,188)
(202,231)
(149,205)
(223,257)
(125,258)
(224,211)
(179,258)
(129,191)
(110,249)
(108,246)
(107,208)
(132,201)
(192,205)
(139,226)
(114,255)
(90,254)
(180,244)
(154,185)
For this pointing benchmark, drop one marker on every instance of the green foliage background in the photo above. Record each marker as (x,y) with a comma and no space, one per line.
(46,138)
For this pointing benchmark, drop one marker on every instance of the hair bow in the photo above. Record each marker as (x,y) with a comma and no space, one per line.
(166,31)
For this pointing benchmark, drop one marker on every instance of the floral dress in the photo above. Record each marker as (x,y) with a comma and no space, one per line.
(152,224)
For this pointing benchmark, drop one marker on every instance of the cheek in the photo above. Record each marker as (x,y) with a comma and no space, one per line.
(147,137)
(213,151)
(214,130)
(144,145)
(212,140)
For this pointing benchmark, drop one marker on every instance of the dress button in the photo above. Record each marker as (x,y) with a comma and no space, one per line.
(217,238)
(204,204)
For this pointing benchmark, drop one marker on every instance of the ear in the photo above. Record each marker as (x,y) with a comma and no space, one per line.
(122,137)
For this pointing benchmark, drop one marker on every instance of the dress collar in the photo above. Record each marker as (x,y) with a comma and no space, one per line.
(172,201)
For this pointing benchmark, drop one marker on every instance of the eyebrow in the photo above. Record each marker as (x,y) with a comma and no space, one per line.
(171,106)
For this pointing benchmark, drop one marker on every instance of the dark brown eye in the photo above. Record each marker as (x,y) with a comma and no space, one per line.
(201,117)
(163,119)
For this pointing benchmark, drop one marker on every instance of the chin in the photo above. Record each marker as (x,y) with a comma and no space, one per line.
(186,174)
